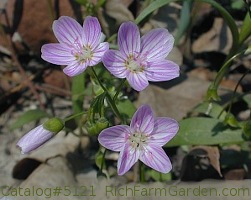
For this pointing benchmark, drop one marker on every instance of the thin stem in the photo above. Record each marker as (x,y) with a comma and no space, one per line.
(119,89)
(74,116)
(213,88)
(99,82)
(110,39)
(103,161)
(108,97)
(235,89)
(141,172)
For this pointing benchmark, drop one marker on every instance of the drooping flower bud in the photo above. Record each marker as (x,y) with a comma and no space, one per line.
(39,135)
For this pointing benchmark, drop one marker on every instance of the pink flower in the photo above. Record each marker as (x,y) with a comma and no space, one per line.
(142,140)
(78,47)
(140,60)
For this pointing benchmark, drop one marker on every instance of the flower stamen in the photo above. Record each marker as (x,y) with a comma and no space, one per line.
(138,140)
(135,63)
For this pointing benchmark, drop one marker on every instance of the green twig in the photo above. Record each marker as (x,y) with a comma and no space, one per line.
(74,116)
(108,97)
(119,89)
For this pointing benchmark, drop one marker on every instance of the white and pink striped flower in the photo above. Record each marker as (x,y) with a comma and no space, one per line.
(78,47)
(140,60)
(142,140)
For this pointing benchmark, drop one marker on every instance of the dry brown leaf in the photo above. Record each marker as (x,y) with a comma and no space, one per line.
(202,162)
(218,38)
(214,156)
(117,10)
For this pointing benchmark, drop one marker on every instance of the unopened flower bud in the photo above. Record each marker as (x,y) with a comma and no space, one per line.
(97,127)
(39,135)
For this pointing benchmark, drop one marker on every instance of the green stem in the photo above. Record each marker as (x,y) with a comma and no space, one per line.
(74,116)
(235,89)
(119,89)
(108,97)
(212,90)
(110,39)
(141,172)
(103,161)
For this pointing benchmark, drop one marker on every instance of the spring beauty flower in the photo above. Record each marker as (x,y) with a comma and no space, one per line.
(78,47)
(142,140)
(140,60)
(39,135)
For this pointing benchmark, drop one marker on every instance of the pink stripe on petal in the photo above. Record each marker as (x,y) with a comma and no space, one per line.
(98,53)
(157,44)
(127,158)
(162,71)
(75,68)
(114,61)
(143,120)
(92,31)
(129,38)
(58,54)
(34,139)
(137,80)
(67,30)
(114,138)
(164,130)
(156,158)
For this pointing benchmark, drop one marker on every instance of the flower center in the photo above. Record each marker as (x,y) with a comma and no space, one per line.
(135,63)
(82,53)
(138,140)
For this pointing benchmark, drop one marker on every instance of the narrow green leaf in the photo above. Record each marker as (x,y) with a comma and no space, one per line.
(152,7)
(29,116)
(184,19)
(245,31)
(205,131)
(78,86)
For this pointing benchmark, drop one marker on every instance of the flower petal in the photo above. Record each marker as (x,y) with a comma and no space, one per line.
(137,80)
(75,68)
(129,38)
(67,30)
(156,158)
(114,61)
(127,158)
(58,54)
(98,53)
(143,120)
(92,31)
(34,139)
(164,130)
(162,70)
(114,138)
(157,44)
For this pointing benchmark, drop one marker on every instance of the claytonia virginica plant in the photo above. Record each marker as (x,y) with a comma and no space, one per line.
(140,60)
(78,47)
(142,140)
